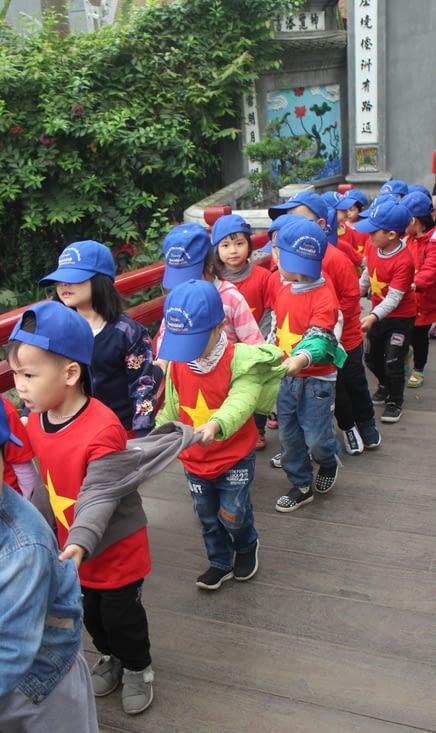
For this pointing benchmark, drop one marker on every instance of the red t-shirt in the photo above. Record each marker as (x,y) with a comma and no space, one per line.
(14,453)
(345,281)
(256,290)
(200,395)
(63,458)
(396,272)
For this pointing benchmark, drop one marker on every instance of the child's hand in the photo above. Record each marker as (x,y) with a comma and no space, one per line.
(209,431)
(295,364)
(73,552)
(368,322)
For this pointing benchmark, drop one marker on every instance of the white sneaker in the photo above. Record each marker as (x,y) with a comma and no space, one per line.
(352,441)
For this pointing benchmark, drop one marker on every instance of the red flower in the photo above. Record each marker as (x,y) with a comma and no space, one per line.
(300,111)
(299,91)
(46,140)
(15,130)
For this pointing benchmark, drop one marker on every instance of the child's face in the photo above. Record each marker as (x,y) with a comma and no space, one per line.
(234,251)
(353,213)
(342,215)
(213,340)
(75,295)
(40,378)
(384,239)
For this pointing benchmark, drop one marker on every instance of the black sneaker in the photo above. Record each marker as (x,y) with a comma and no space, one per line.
(326,478)
(391,413)
(370,434)
(379,396)
(295,498)
(246,565)
(213,578)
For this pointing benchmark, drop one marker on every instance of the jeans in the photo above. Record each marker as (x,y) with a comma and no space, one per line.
(387,345)
(224,508)
(353,402)
(305,415)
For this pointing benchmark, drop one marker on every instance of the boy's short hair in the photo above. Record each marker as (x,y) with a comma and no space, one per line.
(5,431)
(185,248)
(191,312)
(390,216)
(312,200)
(58,330)
(81,261)
(302,244)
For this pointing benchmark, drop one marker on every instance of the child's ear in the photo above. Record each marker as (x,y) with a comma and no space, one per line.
(73,373)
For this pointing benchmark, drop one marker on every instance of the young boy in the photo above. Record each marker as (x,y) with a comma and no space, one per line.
(307,312)
(50,352)
(44,679)
(389,274)
(216,386)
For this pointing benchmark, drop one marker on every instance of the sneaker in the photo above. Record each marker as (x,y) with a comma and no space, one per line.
(416,378)
(379,396)
(391,413)
(276,461)
(326,478)
(246,565)
(294,499)
(137,693)
(260,442)
(352,441)
(272,423)
(370,434)
(432,332)
(213,578)
(106,675)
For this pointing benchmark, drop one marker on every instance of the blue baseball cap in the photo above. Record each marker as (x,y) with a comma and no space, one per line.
(419,187)
(80,261)
(5,431)
(302,244)
(313,201)
(191,312)
(380,199)
(391,216)
(351,198)
(418,203)
(229,224)
(60,330)
(185,249)
(395,186)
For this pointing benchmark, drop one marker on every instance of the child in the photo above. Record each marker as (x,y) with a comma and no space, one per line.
(423,251)
(189,255)
(352,204)
(215,386)
(50,353)
(396,187)
(125,378)
(306,398)
(19,471)
(389,273)
(232,243)
(44,679)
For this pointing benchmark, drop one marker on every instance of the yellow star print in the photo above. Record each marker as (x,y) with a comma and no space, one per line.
(58,503)
(377,286)
(201,413)
(286,338)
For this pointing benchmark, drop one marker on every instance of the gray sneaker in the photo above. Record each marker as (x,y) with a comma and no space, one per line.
(137,693)
(106,675)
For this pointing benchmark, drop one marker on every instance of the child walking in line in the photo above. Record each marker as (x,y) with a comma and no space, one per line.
(389,273)
(50,352)
(215,386)
(423,250)
(307,312)
(124,376)
(44,678)
(19,471)
(232,243)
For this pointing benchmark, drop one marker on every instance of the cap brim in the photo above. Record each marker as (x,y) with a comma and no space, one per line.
(267,248)
(174,276)
(276,211)
(183,346)
(293,263)
(67,275)
(345,204)
(366,225)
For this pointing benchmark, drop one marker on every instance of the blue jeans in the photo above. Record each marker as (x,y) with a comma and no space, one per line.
(305,408)
(225,511)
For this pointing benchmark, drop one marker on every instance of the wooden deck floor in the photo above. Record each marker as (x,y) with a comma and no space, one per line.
(337,632)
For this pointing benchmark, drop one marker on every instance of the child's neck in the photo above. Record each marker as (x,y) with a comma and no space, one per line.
(68,407)
(94,319)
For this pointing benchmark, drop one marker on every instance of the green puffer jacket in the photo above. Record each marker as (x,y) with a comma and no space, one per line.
(256,375)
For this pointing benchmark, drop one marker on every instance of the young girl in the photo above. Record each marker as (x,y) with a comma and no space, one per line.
(232,243)
(124,377)
(423,251)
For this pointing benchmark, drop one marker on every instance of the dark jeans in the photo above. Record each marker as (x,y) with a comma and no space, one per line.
(387,345)
(353,401)
(419,342)
(117,623)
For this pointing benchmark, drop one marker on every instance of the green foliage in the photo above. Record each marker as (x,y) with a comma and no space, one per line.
(109,135)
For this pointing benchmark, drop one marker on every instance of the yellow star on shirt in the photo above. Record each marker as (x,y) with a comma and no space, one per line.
(201,413)
(377,286)
(286,338)
(58,503)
